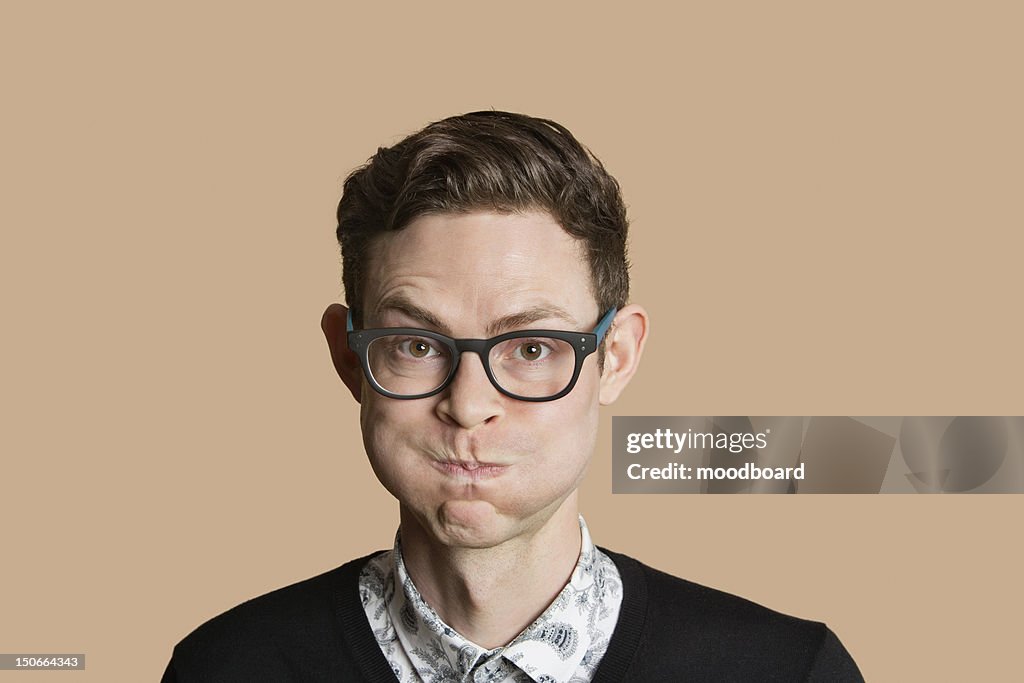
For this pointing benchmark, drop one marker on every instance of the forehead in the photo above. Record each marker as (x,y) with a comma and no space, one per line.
(471,268)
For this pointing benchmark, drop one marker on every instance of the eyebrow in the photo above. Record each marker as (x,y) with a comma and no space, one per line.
(523,319)
(519,320)
(402,304)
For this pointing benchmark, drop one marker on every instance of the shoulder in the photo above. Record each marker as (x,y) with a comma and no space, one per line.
(719,635)
(691,605)
(291,626)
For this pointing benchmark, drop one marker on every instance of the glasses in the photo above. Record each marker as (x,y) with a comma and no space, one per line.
(529,365)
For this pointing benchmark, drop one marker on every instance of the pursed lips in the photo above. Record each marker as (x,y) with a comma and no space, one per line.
(469,469)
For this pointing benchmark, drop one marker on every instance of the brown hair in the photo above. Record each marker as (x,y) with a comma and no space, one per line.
(487,160)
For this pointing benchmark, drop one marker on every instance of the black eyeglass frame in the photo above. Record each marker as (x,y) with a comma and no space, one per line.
(583,343)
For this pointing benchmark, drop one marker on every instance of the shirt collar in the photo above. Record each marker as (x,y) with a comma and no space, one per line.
(550,649)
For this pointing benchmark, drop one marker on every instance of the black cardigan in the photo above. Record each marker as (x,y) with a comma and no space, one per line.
(669,629)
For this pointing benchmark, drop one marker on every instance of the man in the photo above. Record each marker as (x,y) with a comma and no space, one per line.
(487,319)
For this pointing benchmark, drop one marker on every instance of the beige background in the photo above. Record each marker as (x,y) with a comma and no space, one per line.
(826,209)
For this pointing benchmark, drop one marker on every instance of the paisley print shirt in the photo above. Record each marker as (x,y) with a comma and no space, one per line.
(564,645)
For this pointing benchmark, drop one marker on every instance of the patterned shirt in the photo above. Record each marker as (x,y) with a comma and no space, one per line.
(564,645)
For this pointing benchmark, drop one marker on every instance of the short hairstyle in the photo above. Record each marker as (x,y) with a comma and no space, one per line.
(487,161)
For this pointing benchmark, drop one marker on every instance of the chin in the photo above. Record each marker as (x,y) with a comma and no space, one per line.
(470,524)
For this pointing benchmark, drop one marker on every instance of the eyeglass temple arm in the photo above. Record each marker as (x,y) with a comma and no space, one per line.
(605,323)
(348,321)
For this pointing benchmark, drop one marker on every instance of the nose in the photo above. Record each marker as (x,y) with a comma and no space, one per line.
(470,400)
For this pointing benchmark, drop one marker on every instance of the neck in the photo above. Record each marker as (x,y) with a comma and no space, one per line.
(490,595)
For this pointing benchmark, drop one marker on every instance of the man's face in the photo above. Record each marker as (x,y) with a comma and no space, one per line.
(472,466)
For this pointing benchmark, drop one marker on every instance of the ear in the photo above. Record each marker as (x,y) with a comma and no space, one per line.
(623,347)
(346,362)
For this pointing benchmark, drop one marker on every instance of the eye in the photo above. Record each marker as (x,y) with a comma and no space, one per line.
(533,350)
(417,348)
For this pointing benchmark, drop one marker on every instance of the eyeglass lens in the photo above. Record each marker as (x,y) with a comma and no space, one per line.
(533,367)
